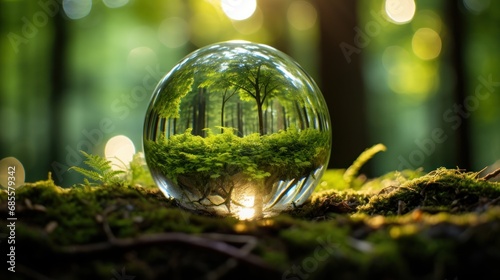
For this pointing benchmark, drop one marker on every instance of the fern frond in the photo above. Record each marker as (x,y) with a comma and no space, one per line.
(90,174)
(114,177)
(100,169)
(96,162)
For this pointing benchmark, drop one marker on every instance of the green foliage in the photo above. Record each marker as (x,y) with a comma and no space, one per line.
(340,179)
(365,156)
(217,164)
(100,170)
(286,154)
(254,77)
(169,101)
(294,153)
(138,172)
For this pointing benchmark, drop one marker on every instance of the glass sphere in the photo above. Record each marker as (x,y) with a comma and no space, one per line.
(237,128)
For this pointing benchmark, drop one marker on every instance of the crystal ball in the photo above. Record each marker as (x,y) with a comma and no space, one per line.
(237,129)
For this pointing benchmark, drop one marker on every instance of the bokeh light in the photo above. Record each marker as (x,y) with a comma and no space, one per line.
(141,57)
(11,167)
(406,75)
(115,3)
(418,81)
(173,32)
(426,44)
(77,9)
(302,15)
(238,9)
(400,11)
(477,6)
(120,151)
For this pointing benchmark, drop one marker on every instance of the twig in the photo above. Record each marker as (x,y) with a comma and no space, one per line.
(222,248)
(250,244)
(230,238)
(491,175)
(493,201)
(105,224)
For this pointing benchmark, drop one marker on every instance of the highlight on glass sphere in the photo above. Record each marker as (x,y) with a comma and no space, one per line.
(237,129)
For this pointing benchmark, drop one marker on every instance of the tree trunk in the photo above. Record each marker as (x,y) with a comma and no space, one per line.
(266,120)
(261,118)
(341,80)
(163,123)
(239,114)
(299,116)
(462,136)
(222,116)
(175,126)
(306,118)
(58,79)
(280,115)
(153,118)
(188,120)
(195,115)
(201,112)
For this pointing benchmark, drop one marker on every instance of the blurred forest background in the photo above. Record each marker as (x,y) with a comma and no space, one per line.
(421,77)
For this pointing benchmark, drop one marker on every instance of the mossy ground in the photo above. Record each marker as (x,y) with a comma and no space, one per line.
(404,225)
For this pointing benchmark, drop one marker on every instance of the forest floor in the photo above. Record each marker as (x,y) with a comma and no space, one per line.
(444,224)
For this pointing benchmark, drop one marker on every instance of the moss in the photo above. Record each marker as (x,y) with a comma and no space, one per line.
(212,170)
(440,190)
(446,227)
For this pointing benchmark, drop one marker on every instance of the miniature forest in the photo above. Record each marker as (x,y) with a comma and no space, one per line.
(409,224)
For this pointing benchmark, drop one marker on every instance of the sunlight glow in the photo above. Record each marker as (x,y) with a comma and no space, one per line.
(426,44)
(120,151)
(302,15)
(400,11)
(246,212)
(238,9)
(408,75)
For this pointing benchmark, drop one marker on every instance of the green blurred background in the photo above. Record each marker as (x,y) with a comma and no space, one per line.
(421,77)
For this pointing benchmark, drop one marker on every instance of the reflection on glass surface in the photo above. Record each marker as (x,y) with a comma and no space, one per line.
(236,120)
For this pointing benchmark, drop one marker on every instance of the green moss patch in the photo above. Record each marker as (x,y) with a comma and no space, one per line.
(440,225)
